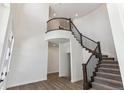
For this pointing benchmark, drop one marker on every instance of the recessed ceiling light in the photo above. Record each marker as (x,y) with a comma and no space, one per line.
(54,14)
(76,15)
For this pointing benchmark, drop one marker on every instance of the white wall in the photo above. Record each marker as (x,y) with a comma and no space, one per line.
(53,59)
(30,54)
(96,25)
(5,28)
(4,19)
(64,48)
(116,15)
(76,52)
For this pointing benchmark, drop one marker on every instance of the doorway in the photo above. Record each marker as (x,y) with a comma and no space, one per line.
(69,66)
(53,58)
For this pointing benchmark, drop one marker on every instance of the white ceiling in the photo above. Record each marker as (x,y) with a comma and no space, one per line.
(69,10)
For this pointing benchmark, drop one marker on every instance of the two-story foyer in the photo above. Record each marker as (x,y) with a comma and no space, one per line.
(60,46)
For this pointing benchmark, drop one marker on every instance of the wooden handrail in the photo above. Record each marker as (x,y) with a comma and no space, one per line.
(82,34)
(56,29)
(74,26)
(100,53)
(58,18)
(85,77)
(92,55)
(70,26)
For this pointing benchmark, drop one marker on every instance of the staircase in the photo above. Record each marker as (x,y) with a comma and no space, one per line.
(107,74)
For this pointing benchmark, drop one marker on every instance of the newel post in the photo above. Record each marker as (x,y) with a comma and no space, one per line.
(85,79)
(99,48)
(81,40)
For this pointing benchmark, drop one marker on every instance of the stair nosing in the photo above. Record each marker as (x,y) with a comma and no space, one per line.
(109,64)
(109,68)
(92,89)
(105,86)
(103,62)
(106,79)
(104,56)
(108,60)
(108,57)
(109,74)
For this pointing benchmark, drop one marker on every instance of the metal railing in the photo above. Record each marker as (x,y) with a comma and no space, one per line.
(58,24)
(89,44)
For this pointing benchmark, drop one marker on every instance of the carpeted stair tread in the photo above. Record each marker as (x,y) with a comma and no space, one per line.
(99,86)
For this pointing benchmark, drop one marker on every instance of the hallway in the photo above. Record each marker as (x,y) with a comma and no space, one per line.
(53,83)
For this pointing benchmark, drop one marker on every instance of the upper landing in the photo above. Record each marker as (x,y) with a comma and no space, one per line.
(58,30)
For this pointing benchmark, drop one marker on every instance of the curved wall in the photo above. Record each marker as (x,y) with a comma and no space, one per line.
(58,34)
(68,44)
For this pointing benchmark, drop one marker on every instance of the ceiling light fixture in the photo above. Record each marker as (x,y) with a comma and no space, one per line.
(76,14)
(54,14)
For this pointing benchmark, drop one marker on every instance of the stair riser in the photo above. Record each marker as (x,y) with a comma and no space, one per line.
(109,66)
(104,55)
(109,71)
(108,58)
(94,86)
(118,78)
(108,62)
(109,83)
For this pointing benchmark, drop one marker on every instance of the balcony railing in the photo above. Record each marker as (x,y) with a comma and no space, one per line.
(58,24)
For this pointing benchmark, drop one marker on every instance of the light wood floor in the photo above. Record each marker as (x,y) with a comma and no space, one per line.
(53,83)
